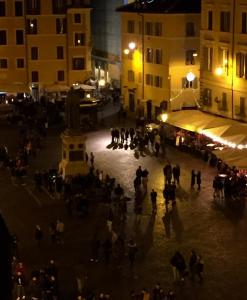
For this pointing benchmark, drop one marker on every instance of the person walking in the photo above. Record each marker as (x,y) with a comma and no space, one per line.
(192,264)
(198,180)
(193,179)
(153,196)
(132,250)
(92,159)
(176,173)
(38,234)
(199,267)
(59,231)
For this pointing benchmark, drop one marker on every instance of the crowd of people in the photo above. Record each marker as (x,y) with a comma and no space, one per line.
(139,138)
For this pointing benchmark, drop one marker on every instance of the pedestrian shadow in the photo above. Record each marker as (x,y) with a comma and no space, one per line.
(111,145)
(136,154)
(146,237)
(177,224)
(182,194)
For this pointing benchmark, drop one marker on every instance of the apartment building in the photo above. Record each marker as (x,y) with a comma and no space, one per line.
(224,58)
(161,42)
(44,43)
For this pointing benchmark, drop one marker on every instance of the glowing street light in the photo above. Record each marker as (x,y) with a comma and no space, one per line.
(219,71)
(190,76)
(126,51)
(132,45)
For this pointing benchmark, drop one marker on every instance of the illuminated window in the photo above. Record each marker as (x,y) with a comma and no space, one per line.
(241,65)
(223,59)
(149,55)
(79,39)
(208,59)
(189,57)
(31,26)
(61,25)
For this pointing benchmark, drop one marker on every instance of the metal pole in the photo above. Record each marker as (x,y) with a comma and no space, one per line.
(143,77)
(233,50)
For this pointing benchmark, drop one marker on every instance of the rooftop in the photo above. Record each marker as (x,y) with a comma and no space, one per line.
(163,6)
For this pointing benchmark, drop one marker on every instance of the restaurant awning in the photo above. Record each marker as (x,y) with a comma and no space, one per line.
(233,157)
(226,131)
(56,88)
(14,88)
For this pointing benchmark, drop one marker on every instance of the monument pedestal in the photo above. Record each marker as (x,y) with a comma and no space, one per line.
(73,155)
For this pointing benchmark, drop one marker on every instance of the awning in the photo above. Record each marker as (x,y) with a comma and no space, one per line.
(228,132)
(185,99)
(84,87)
(56,88)
(14,88)
(233,157)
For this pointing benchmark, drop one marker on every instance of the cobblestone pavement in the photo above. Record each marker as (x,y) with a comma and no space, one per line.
(196,224)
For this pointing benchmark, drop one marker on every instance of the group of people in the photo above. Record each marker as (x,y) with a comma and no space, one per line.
(181,270)
(138,138)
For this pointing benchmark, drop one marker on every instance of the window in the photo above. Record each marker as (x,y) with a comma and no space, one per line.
(20,63)
(149,79)
(3,37)
(244,22)
(208,59)
(225,21)
(18,8)
(210,20)
(190,29)
(78,63)
(60,54)
(149,55)
(149,28)
(31,26)
(19,37)
(157,29)
(130,26)
(58,7)
(223,104)
(131,75)
(190,57)
(61,25)
(33,7)
(77,18)
(2,9)
(207,97)
(34,53)
(158,81)
(3,63)
(79,39)
(35,76)
(241,62)
(60,75)
(223,59)
(158,56)
(242,106)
